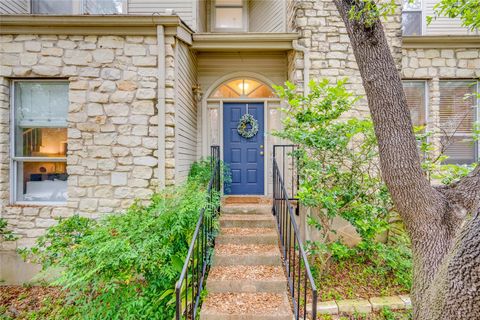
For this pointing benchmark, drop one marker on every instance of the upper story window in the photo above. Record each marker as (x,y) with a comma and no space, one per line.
(412,21)
(229,15)
(39,141)
(78,6)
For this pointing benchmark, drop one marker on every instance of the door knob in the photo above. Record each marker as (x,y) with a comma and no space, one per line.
(261,146)
(261,153)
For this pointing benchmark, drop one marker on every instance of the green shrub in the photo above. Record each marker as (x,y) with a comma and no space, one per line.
(125,265)
(339,174)
(5,233)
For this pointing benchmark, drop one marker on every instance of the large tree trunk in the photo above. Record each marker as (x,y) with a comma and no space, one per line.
(433,216)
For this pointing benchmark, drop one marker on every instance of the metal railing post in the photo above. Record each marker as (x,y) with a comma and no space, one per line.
(294,257)
(196,265)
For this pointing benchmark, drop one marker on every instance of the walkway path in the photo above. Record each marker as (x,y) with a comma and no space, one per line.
(247,280)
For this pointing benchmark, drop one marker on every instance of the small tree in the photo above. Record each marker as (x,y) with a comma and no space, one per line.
(339,176)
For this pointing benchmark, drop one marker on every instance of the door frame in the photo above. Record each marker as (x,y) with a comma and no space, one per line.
(265,140)
(204,120)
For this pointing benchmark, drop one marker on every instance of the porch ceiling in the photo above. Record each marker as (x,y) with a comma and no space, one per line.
(243,41)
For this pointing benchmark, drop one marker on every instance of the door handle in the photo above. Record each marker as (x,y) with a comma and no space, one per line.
(261,153)
(261,146)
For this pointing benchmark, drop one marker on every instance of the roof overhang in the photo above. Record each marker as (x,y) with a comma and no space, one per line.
(140,25)
(440,42)
(243,41)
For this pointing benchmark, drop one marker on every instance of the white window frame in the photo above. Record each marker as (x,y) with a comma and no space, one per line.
(423,22)
(15,160)
(476,113)
(79,8)
(213,11)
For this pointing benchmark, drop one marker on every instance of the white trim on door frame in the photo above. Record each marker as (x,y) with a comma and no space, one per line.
(205,118)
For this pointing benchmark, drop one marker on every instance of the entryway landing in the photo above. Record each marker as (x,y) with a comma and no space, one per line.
(247,280)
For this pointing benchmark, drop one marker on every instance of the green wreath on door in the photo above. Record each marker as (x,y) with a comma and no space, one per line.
(242,128)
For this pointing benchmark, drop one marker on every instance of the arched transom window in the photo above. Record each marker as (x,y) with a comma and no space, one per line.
(243,88)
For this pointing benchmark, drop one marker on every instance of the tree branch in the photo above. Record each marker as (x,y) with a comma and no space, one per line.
(465,192)
(414,197)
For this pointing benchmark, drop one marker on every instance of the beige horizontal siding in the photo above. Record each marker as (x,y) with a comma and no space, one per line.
(267,16)
(183,8)
(442,25)
(14,6)
(215,65)
(186,112)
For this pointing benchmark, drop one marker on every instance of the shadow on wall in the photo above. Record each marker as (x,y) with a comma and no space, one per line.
(15,271)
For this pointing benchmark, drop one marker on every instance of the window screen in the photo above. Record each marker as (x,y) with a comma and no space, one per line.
(458,108)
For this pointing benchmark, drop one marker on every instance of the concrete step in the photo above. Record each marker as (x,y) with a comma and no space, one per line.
(246,221)
(247,236)
(246,279)
(246,200)
(243,306)
(237,254)
(246,208)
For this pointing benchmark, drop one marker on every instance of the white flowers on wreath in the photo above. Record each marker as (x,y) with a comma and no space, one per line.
(242,128)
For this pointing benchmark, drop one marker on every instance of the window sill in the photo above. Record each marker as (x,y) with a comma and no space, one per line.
(440,41)
(38,204)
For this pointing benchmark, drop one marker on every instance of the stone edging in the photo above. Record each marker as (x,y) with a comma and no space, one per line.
(400,302)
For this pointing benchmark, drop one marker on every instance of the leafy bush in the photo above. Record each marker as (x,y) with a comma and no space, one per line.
(125,265)
(339,174)
(5,233)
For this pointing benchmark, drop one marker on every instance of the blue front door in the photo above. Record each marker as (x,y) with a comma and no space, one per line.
(245,157)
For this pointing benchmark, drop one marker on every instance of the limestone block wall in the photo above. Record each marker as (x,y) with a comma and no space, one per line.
(323,32)
(112,122)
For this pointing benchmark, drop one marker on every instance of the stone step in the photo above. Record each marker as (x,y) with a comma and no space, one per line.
(246,279)
(265,209)
(246,221)
(242,306)
(247,236)
(238,254)
(246,200)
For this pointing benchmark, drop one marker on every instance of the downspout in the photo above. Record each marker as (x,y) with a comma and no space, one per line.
(306,65)
(161,105)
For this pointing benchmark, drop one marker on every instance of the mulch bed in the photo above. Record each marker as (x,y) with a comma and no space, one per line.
(16,301)
(352,280)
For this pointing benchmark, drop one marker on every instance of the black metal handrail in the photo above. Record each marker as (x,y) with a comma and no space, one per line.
(287,163)
(299,275)
(189,286)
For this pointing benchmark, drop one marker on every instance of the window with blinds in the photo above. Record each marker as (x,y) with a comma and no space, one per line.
(458,113)
(39,151)
(416,100)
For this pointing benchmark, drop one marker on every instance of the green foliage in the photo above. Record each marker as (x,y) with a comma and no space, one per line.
(467,10)
(368,12)
(126,265)
(5,233)
(340,177)
(59,240)
(433,158)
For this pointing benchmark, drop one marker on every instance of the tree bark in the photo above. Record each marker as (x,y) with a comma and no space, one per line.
(432,216)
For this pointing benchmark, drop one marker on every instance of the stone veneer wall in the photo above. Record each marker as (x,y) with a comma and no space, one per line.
(323,32)
(434,65)
(112,133)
